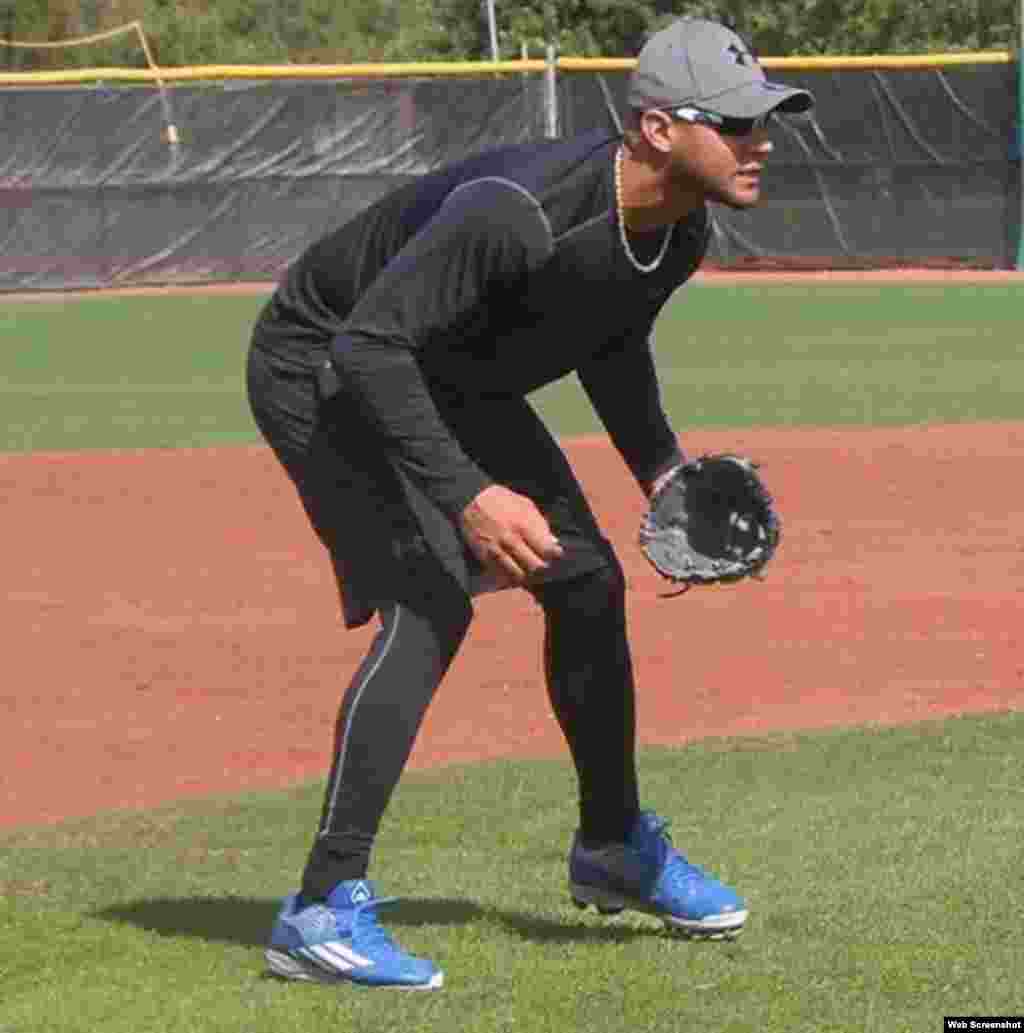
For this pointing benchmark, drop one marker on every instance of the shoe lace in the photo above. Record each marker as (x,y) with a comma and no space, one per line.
(371,932)
(678,869)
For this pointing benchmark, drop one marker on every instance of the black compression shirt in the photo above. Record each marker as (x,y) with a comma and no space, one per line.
(489,279)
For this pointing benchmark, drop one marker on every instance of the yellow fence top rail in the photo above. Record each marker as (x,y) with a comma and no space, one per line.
(470,68)
(976,57)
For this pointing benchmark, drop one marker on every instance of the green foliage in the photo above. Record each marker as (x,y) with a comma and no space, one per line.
(265,31)
(877,26)
(190,32)
(584,27)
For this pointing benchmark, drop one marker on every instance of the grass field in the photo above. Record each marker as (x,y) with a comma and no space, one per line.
(883,869)
(883,866)
(167,371)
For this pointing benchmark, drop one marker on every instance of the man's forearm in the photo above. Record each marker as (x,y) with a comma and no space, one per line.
(385,380)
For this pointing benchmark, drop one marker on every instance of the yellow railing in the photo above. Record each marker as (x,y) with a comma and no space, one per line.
(469,68)
(978,57)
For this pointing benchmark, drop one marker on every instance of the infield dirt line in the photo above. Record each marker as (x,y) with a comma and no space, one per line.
(712,277)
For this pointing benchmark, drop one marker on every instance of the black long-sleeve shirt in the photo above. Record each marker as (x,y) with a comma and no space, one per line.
(491,278)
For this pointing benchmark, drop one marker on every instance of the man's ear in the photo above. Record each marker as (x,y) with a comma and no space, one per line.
(655,129)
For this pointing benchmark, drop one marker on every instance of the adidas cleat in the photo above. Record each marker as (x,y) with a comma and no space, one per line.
(340,941)
(646,873)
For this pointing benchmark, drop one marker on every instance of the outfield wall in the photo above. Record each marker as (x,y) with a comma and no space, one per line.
(117,183)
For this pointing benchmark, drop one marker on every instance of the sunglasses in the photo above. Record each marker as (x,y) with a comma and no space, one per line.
(723,124)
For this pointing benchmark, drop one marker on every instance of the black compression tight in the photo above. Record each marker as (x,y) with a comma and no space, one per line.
(590,681)
(381,712)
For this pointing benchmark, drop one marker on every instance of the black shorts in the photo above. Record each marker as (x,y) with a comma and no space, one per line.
(385,537)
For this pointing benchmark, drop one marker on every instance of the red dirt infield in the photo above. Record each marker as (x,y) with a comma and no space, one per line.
(171,628)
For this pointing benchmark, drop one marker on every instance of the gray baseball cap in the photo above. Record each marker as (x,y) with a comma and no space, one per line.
(707,65)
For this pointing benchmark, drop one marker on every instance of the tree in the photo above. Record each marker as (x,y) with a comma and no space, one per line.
(263,31)
(585,28)
(800,27)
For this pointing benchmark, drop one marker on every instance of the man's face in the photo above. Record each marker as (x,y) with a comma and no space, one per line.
(725,168)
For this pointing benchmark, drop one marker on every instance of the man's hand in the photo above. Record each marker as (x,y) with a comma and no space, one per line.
(508,534)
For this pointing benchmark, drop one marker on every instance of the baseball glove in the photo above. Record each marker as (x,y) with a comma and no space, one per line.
(712,521)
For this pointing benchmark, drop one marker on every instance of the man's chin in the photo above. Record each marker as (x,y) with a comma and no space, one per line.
(737,199)
(739,192)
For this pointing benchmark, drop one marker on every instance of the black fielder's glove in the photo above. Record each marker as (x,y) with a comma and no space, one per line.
(712,521)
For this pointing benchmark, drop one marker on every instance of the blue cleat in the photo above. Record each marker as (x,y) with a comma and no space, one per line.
(340,941)
(646,873)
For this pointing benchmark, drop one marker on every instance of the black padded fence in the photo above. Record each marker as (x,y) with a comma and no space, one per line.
(905,166)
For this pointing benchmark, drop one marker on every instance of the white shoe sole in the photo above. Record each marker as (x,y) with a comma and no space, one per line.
(285,966)
(725,926)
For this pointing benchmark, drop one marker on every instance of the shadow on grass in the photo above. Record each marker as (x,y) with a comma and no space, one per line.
(246,920)
(538,929)
(551,930)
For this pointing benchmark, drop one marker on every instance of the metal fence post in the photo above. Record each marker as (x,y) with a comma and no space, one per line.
(551,92)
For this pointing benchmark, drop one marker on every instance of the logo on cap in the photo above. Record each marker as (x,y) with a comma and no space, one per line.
(739,55)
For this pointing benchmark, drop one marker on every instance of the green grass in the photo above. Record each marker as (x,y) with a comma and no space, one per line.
(102,372)
(764,355)
(167,371)
(882,866)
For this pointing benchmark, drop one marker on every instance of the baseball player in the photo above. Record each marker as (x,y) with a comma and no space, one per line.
(389,373)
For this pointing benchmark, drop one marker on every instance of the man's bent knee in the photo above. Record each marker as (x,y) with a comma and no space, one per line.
(441,600)
(594,593)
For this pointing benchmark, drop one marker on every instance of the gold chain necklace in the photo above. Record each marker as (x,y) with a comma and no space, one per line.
(635,262)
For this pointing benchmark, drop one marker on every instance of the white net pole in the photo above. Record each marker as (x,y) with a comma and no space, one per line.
(492,29)
(551,92)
